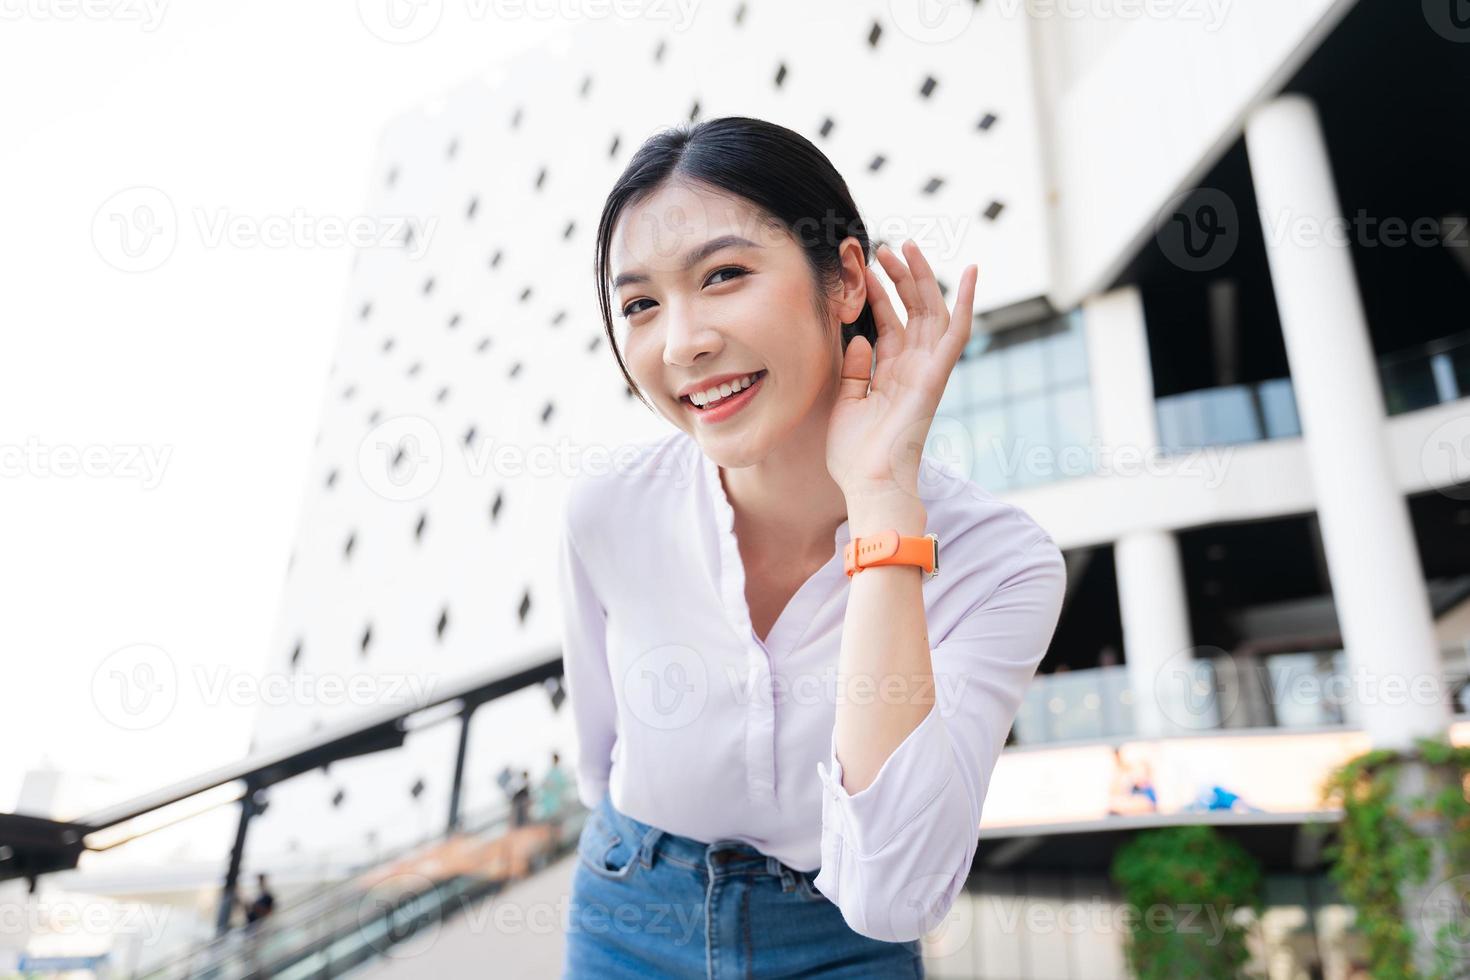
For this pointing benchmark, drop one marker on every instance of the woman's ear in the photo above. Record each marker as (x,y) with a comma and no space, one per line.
(852,295)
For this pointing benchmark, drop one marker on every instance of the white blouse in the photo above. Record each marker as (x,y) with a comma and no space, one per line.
(698,727)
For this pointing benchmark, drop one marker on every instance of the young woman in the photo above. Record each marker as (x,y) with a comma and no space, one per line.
(785,770)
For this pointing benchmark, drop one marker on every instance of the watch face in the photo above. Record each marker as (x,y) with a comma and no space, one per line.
(935,539)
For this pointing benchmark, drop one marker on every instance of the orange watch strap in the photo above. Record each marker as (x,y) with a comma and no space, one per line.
(891,548)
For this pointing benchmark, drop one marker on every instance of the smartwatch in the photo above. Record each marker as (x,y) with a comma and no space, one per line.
(891,548)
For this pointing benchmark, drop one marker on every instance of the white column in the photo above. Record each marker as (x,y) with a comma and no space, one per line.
(1120,371)
(1169,693)
(1151,596)
(1382,605)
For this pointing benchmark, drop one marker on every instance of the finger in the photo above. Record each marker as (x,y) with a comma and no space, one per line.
(957,337)
(856,362)
(884,316)
(903,281)
(891,334)
(936,311)
(890,327)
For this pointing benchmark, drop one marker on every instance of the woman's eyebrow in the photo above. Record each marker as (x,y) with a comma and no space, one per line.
(691,258)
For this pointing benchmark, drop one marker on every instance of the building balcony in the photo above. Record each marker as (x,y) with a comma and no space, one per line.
(1311,689)
(1427,374)
(1418,377)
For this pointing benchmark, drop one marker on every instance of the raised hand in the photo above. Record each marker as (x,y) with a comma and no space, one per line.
(876,434)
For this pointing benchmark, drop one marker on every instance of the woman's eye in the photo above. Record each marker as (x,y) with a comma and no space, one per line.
(632,309)
(729,268)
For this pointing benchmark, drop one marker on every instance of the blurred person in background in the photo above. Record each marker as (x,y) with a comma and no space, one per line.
(261,907)
(520,801)
(551,799)
(1132,790)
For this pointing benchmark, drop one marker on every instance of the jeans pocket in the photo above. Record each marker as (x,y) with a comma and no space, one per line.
(603,851)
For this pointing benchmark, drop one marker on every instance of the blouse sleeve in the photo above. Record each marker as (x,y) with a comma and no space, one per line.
(896,854)
(586,672)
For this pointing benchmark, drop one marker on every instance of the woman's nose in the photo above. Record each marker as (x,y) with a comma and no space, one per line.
(685,338)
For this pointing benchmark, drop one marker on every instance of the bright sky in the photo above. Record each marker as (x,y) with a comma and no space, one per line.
(188,394)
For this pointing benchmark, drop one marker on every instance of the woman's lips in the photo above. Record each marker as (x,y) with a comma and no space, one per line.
(729,405)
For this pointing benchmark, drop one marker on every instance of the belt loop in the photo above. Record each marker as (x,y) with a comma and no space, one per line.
(650,841)
(775,867)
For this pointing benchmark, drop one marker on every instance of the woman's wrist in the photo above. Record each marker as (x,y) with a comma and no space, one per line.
(876,512)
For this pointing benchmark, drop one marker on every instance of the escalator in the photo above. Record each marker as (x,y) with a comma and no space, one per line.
(343,925)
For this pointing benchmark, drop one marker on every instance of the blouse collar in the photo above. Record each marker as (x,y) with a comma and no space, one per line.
(732,568)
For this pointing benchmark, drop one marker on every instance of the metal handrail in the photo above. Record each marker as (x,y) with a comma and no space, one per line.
(1429,348)
(324,922)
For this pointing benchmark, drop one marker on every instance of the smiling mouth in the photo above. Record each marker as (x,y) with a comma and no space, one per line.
(754,378)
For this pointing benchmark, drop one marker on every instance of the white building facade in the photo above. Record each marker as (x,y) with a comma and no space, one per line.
(1201,362)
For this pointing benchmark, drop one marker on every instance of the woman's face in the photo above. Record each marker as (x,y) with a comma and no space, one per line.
(697,314)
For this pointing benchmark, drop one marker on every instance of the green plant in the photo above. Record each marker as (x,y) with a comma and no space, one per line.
(1183,887)
(1386,843)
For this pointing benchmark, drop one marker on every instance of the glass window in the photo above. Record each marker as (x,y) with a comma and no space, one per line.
(1031,420)
(992,450)
(1025,368)
(1278,408)
(1024,393)
(953,402)
(1227,416)
(1072,430)
(987,384)
(1067,352)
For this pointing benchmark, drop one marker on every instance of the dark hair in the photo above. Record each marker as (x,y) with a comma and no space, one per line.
(781,173)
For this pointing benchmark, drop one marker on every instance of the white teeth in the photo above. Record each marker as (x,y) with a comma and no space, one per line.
(703,398)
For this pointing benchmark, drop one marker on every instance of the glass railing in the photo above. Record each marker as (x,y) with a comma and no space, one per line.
(1290,690)
(1076,704)
(1227,415)
(1427,375)
(1418,377)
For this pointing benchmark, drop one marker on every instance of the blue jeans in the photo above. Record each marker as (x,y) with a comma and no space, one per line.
(648,903)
